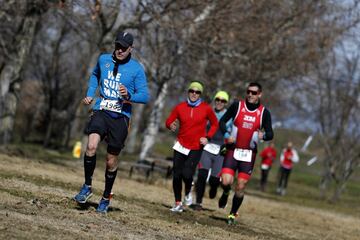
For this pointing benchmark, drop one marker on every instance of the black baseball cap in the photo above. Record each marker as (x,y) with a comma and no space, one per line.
(125,39)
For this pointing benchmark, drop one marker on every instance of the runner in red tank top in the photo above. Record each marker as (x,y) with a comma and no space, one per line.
(253,123)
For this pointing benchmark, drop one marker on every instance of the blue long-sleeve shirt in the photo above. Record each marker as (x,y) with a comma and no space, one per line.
(130,74)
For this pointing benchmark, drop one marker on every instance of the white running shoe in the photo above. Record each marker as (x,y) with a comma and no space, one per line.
(177,208)
(188,199)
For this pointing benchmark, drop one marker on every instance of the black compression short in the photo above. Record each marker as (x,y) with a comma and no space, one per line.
(114,130)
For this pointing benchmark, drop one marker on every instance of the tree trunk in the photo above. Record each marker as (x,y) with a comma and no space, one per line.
(49,128)
(136,118)
(66,140)
(154,121)
(344,179)
(324,182)
(325,179)
(10,75)
(8,118)
(339,189)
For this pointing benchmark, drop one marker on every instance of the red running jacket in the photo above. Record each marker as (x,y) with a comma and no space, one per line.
(268,155)
(193,121)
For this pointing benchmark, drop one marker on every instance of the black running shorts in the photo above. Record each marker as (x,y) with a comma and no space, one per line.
(230,165)
(113,130)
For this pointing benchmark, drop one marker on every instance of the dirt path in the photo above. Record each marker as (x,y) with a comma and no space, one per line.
(36,203)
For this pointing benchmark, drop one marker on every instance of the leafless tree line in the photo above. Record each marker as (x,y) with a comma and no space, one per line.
(330,98)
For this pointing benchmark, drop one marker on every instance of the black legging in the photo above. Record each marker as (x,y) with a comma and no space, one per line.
(200,186)
(183,170)
(284,177)
(264,176)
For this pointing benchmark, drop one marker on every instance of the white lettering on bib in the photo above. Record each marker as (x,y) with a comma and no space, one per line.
(111,105)
(212,148)
(243,155)
(181,149)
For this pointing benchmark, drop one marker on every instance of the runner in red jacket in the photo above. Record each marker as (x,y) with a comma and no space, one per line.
(192,117)
(268,156)
(288,157)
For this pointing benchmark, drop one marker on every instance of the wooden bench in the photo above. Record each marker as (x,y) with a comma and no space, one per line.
(151,165)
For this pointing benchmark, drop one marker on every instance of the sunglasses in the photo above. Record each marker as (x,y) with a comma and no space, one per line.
(120,47)
(194,91)
(252,92)
(220,100)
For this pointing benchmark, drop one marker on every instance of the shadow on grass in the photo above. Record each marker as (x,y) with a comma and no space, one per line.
(270,195)
(191,207)
(86,206)
(209,217)
(220,219)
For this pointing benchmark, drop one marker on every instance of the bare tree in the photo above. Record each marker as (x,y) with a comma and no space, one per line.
(339,122)
(265,40)
(56,62)
(227,43)
(168,35)
(330,97)
(19,22)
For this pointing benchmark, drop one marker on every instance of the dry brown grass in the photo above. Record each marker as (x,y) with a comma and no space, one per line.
(36,203)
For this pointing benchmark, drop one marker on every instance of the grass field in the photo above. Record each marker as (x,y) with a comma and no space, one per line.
(36,204)
(304,180)
(36,187)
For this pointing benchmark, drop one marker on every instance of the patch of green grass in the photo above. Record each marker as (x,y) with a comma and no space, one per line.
(303,189)
(37,180)
(19,193)
(35,151)
(164,147)
(163,150)
(303,186)
(352,189)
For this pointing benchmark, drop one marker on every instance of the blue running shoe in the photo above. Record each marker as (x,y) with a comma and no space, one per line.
(103,205)
(84,194)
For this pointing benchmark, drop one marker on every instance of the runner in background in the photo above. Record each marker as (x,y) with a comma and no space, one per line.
(190,118)
(288,157)
(268,155)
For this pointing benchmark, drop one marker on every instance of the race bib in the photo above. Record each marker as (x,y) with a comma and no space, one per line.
(181,149)
(111,105)
(243,155)
(265,166)
(212,148)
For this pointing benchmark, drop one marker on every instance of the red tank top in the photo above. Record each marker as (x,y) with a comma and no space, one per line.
(287,163)
(247,122)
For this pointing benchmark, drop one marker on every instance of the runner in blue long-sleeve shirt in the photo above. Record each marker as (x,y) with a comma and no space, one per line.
(121,81)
